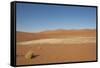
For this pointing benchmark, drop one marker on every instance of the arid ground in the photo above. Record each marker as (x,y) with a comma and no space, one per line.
(55,46)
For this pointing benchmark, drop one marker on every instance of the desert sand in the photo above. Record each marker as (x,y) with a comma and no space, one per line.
(56,46)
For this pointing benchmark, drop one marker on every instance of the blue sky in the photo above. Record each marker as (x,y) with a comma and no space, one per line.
(39,17)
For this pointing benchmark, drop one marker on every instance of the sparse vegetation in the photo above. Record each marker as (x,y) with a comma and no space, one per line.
(29,55)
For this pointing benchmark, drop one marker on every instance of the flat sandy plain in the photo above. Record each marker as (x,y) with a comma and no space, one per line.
(56,46)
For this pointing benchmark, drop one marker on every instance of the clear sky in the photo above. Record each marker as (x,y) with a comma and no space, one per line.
(40,17)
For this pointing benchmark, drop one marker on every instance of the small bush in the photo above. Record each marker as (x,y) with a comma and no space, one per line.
(29,55)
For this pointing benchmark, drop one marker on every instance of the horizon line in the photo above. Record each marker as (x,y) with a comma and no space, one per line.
(56,29)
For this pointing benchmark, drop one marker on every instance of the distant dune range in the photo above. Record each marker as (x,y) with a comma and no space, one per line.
(56,46)
(25,36)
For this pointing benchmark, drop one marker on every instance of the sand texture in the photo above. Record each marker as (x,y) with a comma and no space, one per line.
(55,46)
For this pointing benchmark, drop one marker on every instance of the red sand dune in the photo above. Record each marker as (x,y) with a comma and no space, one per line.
(56,53)
(24,36)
